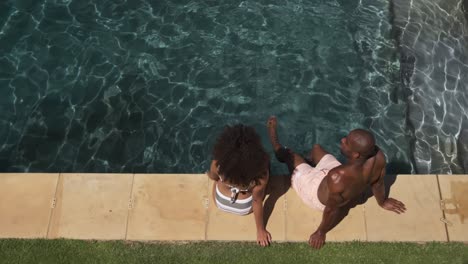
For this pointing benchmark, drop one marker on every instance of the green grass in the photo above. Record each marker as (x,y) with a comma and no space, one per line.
(74,251)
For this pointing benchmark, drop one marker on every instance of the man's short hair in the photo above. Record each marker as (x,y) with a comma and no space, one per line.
(363,142)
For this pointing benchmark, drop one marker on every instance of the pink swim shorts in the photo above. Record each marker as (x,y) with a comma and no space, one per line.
(306,179)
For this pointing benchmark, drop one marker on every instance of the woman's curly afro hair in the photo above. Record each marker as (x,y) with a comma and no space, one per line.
(240,156)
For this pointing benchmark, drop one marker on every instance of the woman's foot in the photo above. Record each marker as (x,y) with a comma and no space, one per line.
(271,126)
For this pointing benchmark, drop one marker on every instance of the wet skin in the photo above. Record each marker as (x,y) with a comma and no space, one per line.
(343,186)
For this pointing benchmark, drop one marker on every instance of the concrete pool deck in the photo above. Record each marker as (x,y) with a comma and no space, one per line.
(150,207)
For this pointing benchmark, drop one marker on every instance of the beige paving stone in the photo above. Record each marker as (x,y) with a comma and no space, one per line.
(91,206)
(226,226)
(168,207)
(454,189)
(25,204)
(353,227)
(421,222)
(302,221)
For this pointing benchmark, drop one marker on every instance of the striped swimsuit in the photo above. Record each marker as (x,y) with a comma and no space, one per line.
(232,204)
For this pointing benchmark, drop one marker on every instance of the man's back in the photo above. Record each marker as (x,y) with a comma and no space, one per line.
(349,181)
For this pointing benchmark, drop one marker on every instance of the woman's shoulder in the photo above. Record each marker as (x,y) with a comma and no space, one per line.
(264,177)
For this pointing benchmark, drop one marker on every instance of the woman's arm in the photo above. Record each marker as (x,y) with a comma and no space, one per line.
(258,194)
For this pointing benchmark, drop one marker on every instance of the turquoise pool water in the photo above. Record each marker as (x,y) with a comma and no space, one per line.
(146,86)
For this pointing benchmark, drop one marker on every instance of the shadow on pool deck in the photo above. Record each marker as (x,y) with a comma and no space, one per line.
(278,186)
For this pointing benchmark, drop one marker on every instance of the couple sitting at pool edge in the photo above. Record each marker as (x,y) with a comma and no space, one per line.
(240,169)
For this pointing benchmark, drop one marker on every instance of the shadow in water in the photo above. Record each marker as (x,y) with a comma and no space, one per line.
(463,149)
(277,186)
(462,144)
(403,91)
(398,167)
(4,165)
(465,9)
(407,61)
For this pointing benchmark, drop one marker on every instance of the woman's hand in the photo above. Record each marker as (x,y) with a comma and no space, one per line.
(263,238)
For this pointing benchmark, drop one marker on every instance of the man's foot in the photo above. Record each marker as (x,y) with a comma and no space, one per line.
(271,126)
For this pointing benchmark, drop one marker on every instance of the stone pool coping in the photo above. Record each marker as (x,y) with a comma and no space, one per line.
(162,207)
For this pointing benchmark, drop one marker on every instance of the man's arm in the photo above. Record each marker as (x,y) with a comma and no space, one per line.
(378,189)
(331,217)
(335,210)
(258,194)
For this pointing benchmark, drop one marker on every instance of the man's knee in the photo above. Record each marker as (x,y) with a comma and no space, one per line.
(317,153)
(283,154)
(317,147)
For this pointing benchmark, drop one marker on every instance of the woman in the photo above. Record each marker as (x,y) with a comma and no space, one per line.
(240,169)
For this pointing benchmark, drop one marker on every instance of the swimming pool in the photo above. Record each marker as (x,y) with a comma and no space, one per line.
(146,86)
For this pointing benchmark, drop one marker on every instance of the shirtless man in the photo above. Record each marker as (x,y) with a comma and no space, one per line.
(332,187)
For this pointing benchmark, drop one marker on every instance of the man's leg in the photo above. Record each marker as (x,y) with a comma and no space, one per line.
(283,154)
(316,154)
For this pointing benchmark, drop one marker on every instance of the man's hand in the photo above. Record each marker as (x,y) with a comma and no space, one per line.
(393,205)
(317,240)
(263,238)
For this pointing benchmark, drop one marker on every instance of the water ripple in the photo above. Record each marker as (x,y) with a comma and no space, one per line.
(145,86)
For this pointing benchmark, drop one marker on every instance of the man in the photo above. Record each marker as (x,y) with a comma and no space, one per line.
(332,187)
